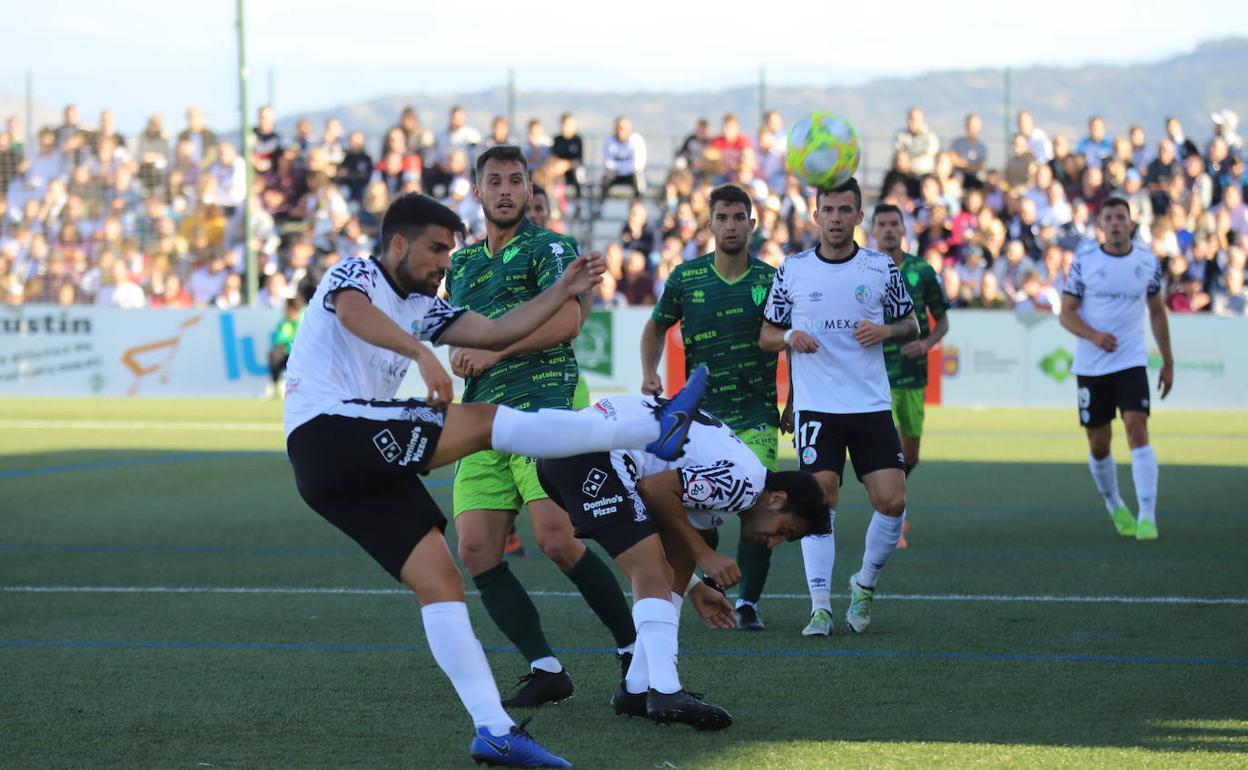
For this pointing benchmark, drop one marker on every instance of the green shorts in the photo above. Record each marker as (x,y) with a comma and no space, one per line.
(908,411)
(499,481)
(495,481)
(762,442)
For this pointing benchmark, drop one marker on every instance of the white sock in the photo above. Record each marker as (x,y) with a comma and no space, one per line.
(679,602)
(655,620)
(637,678)
(548,664)
(1144,471)
(459,655)
(563,433)
(1105,474)
(819,556)
(627,650)
(882,535)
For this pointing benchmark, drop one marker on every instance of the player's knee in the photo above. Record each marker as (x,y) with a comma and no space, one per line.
(1137,434)
(560,546)
(893,504)
(477,556)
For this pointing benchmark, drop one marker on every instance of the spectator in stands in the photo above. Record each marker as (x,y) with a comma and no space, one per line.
(1037,141)
(1183,146)
(569,148)
(70,127)
(1233,204)
(1233,301)
(229,175)
(420,140)
(901,171)
(772,145)
(1225,123)
(172,294)
(45,166)
(1035,297)
(727,152)
(1013,267)
(268,143)
(332,144)
(500,132)
(1141,153)
(12,161)
(537,144)
(637,283)
(1020,169)
(624,159)
(637,234)
(918,141)
(969,154)
(952,284)
(231,295)
(1095,147)
(203,140)
(1160,171)
(438,180)
(457,135)
(152,151)
(692,152)
(1092,188)
(356,169)
(1198,183)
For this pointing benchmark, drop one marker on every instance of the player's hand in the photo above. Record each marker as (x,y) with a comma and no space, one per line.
(869,334)
(583,274)
(915,349)
(712,606)
(441,391)
(722,569)
(786,418)
(470,362)
(801,342)
(652,385)
(1105,341)
(1165,380)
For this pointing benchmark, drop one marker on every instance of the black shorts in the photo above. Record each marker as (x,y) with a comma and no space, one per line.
(1101,396)
(361,473)
(599,492)
(870,437)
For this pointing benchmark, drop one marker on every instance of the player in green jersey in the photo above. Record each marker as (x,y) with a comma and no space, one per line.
(516,261)
(907,364)
(718,300)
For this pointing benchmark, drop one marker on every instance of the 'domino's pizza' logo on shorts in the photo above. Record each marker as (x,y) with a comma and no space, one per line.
(593,482)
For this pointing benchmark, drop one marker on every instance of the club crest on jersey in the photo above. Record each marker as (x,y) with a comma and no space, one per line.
(863,294)
(594,481)
(509,253)
(699,489)
(809,455)
(556,249)
(758,294)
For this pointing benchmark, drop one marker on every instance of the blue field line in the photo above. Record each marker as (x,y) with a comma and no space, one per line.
(979,657)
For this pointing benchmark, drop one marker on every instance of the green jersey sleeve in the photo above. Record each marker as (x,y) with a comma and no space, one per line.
(667,310)
(552,259)
(933,293)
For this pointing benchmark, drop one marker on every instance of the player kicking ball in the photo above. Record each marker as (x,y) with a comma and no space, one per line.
(1103,304)
(649,514)
(358,454)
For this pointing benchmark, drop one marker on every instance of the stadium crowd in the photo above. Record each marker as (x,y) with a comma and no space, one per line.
(91,216)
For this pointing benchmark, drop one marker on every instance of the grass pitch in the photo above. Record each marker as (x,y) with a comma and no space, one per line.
(167,601)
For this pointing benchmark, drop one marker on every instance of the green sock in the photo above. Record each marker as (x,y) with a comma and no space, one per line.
(754,560)
(513,612)
(594,579)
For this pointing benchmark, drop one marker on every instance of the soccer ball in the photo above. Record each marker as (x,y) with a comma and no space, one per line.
(823,150)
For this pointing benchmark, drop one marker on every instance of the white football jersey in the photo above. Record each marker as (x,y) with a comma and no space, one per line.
(329,366)
(1113,293)
(719,475)
(828,300)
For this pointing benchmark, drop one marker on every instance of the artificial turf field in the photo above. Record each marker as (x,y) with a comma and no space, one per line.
(167,601)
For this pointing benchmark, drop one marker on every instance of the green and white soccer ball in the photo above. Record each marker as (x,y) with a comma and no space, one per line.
(823,150)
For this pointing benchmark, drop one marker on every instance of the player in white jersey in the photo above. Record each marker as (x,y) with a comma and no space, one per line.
(829,306)
(653,516)
(1103,304)
(357,453)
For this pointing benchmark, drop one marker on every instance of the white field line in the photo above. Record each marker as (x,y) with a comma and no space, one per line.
(173,425)
(999,598)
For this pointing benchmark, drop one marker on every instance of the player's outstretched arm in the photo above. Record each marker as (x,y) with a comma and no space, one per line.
(476,331)
(358,314)
(1161,333)
(651,353)
(661,493)
(1072,322)
(562,327)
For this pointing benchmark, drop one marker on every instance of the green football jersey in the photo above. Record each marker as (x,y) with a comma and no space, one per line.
(492,284)
(927,294)
(720,321)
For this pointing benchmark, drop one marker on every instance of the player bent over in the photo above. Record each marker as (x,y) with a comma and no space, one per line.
(357,454)
(618,498)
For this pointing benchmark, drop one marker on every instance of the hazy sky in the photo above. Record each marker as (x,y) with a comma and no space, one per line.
(142,56)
